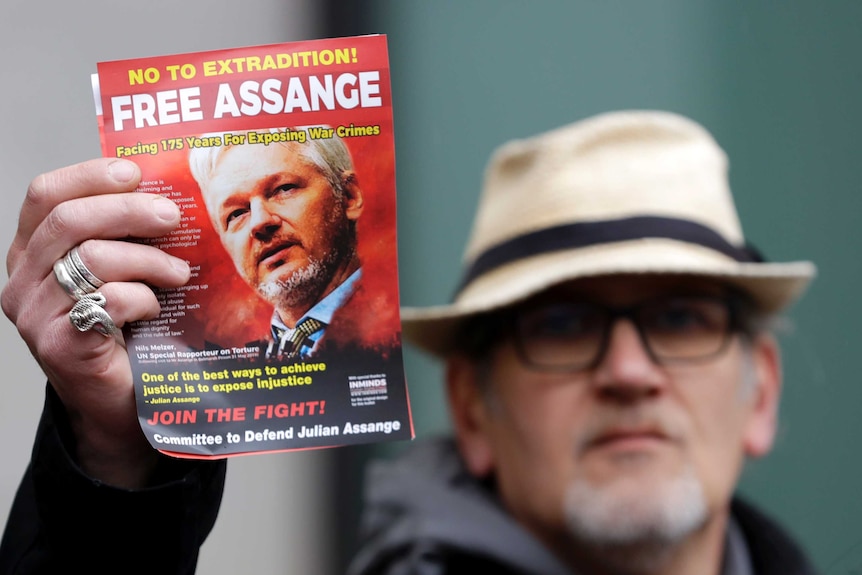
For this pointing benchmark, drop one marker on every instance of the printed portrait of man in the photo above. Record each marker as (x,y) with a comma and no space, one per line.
(286,214)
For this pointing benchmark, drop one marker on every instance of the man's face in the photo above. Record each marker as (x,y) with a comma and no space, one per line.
(280,220)
(626,450)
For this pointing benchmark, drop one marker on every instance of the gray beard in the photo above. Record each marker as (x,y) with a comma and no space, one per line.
(301,285)
(633,532)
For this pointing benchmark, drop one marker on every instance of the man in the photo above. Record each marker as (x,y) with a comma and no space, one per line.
(286,213)
(609,368)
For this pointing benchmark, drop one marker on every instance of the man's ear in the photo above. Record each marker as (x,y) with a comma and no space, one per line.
(762,424)
(353,200)
(469,412)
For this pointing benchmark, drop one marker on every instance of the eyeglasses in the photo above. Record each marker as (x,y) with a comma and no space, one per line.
(568,336)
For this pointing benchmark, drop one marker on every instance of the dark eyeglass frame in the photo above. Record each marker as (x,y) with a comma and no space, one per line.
(610,315)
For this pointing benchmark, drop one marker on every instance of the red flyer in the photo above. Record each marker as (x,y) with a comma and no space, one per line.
(282,161)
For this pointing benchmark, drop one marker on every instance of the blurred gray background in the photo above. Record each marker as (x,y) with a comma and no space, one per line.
(778,84)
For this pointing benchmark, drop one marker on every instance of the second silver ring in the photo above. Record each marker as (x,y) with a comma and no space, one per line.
(77,264)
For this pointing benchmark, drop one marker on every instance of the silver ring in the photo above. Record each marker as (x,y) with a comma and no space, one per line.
(74,277)
(78,265)
(89,313)
(75,289)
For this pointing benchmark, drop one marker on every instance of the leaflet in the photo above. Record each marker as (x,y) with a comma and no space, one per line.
(281,158)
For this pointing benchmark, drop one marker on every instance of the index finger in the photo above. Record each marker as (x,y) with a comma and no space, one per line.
(46,191)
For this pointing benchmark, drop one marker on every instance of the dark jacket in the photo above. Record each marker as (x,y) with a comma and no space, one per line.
(63,522)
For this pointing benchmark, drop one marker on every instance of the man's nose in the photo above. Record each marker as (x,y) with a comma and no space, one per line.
(264,223)
(627,371)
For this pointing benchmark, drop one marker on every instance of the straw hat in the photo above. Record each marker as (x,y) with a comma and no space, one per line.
(623,192)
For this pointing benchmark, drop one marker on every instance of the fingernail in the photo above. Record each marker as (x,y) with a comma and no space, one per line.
(181,266)
(165,209)
(122,171)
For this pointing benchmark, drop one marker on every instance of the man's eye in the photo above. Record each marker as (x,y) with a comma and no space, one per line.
(692,317)
(561,325)
(234,215)
(679,318)
(562,322)
(284,189)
